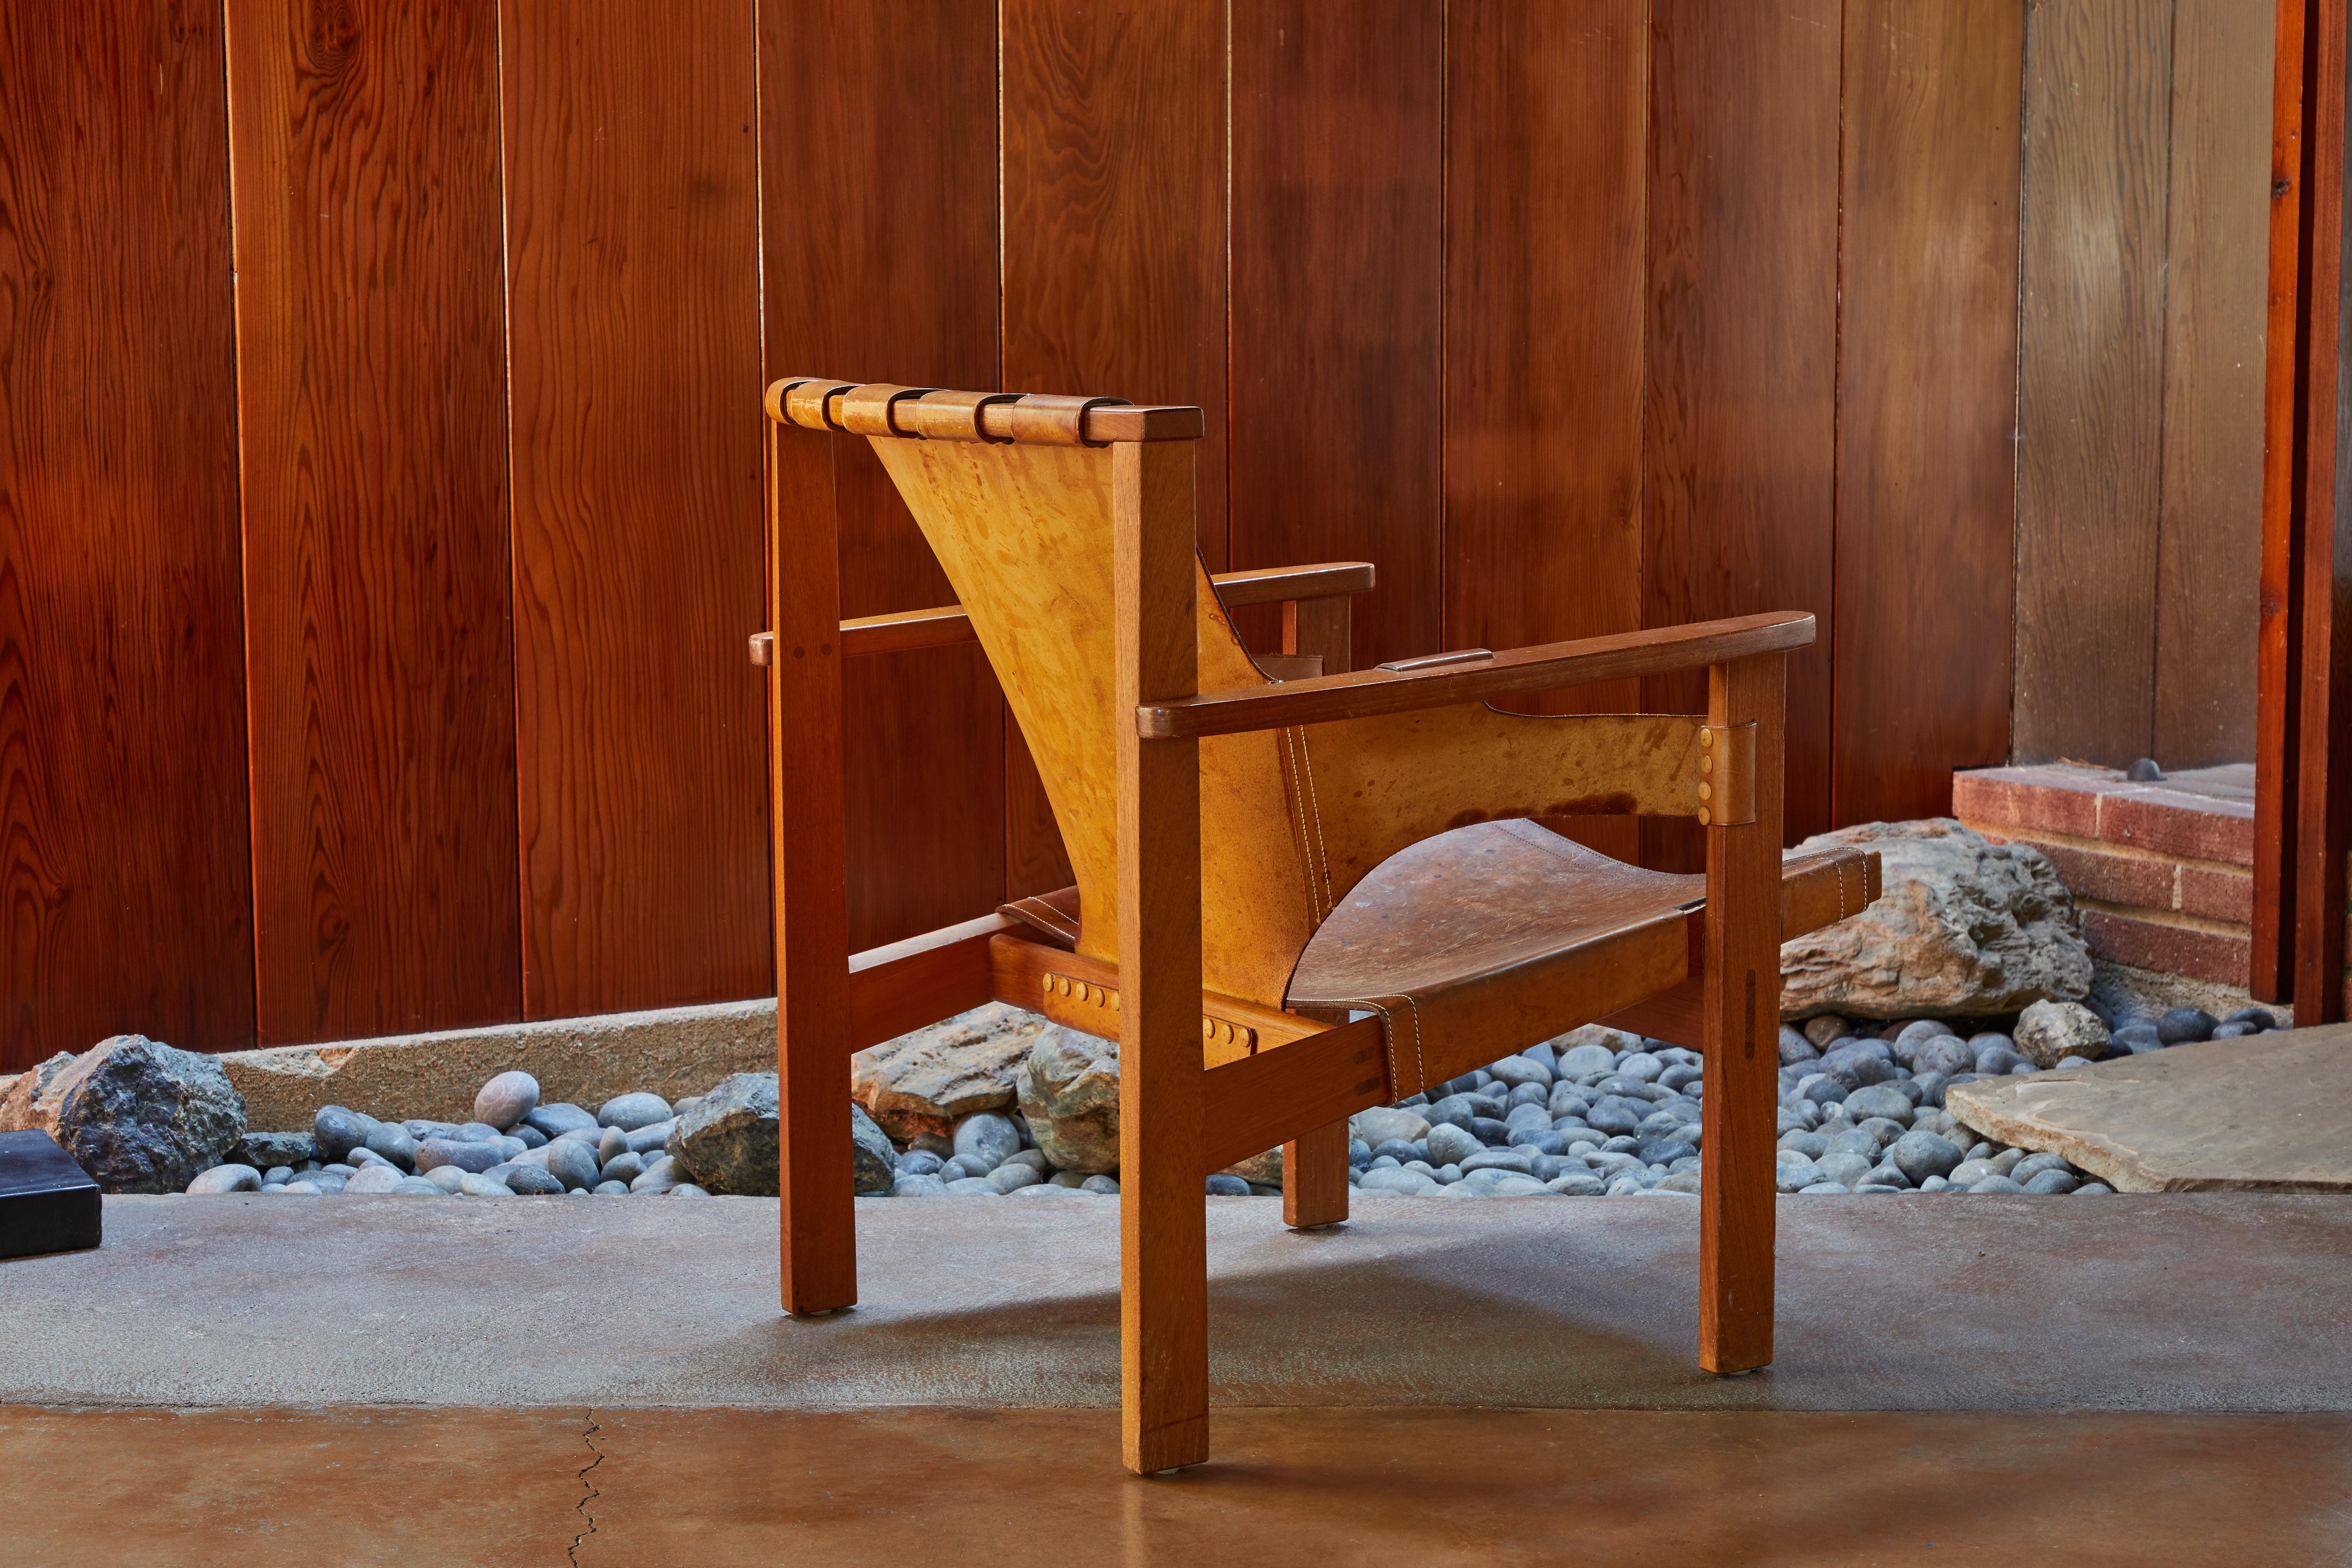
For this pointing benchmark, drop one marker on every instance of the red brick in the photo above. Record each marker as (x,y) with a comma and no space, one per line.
(2174,824)
(2217,895)
(2110,879)
(2024,798)
(2170,950)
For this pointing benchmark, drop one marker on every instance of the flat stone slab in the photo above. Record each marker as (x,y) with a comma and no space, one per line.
(2266,1113)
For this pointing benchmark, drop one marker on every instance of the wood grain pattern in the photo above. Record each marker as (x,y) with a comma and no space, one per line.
(632,179)
(1315,1177)
(1338,237)
(1547,144)
(908,984)
(363,143)
(2278,704)
(2323,768)
(1623,656)
(1315,1187)
(1114,179)
(1162,1220)
(903,631)
(125,882)
(1739,414)
(879,175)
(1251,1104)
(1927,401)
(2208,548)
(818,1234)
(2091,365)
(1740,992)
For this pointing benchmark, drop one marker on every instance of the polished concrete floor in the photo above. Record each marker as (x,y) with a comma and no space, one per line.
(1431,1489)
(2222,1302)
(254,1381)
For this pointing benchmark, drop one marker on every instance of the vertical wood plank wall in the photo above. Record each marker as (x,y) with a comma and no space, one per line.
(1927,400)
(363,155)
(1548,116)
(125,882)
(633,316)
(882,249)
(371,636)
(1740,419)
(2139,389)
(1338,232)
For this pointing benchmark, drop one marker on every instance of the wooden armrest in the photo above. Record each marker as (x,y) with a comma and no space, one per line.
(910,629)
(1540,668)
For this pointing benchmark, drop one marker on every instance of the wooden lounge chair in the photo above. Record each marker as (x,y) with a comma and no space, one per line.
(1295,899)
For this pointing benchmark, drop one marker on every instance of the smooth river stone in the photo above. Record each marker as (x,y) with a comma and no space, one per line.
(573,1163)
(506,1099)
(436,1153)
(630,1112)
(561,1116)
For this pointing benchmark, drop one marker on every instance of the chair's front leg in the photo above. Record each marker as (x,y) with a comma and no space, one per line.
(1163,1220)
(1742,1005)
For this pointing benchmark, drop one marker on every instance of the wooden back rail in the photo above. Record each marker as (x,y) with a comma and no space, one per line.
(1289,586)
(934,413)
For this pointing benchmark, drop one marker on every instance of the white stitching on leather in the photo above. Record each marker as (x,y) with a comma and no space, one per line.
(1308,848)
(1322,854)
(1419,1065)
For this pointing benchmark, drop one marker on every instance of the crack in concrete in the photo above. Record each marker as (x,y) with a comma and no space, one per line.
(587,1487)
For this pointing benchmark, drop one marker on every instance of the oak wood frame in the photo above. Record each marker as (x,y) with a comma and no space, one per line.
(830,1001)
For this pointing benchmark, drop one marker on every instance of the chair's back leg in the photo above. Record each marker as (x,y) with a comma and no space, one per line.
(1315,1178)
(805,781)
(1315,1166)
(1163,1241)
(1742,1004)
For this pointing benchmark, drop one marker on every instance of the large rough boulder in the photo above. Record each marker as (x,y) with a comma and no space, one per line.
(16,1105)
(931,1079)
(1069,1093)
(138,1115)
(728,1142)
(1966,927)
(1266,1169)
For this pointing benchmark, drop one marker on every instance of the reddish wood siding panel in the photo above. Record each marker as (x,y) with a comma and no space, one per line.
(879,176)
(2090,377)
(2208,549)
(1927,400)
(125,890)
(1339,230)
(1740,413)
(364,146)
(1114,182)
(1547,147)
(632,177)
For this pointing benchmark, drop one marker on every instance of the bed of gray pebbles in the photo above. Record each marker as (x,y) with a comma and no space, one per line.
(1860,1113)
(1595,1113)
(513,1146)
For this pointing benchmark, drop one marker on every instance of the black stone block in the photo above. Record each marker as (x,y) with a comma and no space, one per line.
(47,1202)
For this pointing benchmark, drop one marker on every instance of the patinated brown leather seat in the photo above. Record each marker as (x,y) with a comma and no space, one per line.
(1465,943)
(1259,860)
